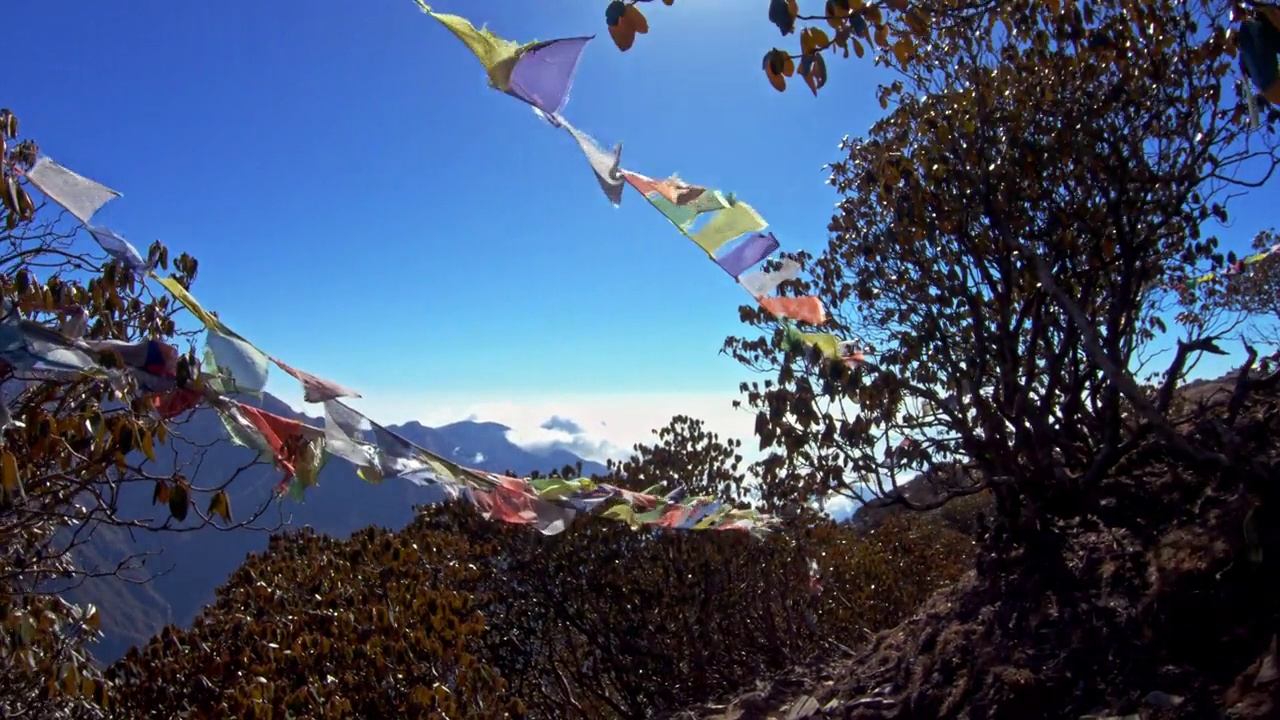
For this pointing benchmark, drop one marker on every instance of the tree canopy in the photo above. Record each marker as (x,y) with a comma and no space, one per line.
(1007,247)
(92,391)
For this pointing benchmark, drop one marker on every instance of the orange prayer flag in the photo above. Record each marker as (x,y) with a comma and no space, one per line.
(672,189)
(805,309)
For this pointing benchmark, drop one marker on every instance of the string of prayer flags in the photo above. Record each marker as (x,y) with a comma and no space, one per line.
(730,219)
(77,194)
(1234,268)
(538,73)
(678,201)
(36,352)
(511,500)
(300,451)
(235,365)
(541,74)
(548,504)
(685,206)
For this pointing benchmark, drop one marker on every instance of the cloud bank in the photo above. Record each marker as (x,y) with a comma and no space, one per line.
(594,427)
(599,427)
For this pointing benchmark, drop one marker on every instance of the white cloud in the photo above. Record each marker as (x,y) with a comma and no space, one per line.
(564,425)
(594,427)
(839,507)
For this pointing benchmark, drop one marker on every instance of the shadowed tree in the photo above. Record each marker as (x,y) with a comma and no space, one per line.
(686,458)
(1006,248)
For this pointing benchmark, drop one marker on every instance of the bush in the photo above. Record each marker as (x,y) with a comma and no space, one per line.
(468,618)
(314,627)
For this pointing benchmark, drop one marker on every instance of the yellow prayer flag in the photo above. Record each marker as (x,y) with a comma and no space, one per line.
(180,293)
(734,221)
(442,467)
(826,342)
(496,54)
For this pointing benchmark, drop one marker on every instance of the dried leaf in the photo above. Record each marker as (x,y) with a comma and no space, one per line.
(179,502)
(220,505)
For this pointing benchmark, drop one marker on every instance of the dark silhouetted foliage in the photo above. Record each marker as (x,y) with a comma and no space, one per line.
(1008,242)
(688,457)
(380,625)
(469,618)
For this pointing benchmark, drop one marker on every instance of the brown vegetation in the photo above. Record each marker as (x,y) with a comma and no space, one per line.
(461,617)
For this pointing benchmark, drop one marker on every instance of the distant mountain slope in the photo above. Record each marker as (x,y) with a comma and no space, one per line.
(195,563)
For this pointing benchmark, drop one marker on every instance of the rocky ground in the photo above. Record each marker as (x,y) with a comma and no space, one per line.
(1172,612)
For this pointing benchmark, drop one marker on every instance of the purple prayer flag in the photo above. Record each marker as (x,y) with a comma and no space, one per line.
(748,252)
(543,74)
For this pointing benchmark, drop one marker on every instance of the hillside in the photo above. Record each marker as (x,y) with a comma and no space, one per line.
(1169,611)
(190,565)
(456,616)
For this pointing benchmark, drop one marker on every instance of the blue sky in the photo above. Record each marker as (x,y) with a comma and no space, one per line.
(365,207)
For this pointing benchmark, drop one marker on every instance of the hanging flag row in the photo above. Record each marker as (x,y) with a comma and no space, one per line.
(1234,267)
(232,365)
(729,231)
